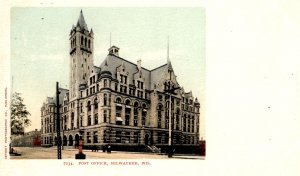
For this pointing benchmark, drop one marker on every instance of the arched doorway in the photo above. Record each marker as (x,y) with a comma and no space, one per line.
(55,140)
(65,140)
(70,140)
(147,139)
(76,140)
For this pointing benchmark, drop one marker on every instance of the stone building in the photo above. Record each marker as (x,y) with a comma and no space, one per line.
(120,103)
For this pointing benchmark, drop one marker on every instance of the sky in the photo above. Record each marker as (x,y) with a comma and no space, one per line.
(40,47)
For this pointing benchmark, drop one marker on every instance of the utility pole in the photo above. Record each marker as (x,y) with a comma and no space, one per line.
(58,123)
(170,151)
(170,91)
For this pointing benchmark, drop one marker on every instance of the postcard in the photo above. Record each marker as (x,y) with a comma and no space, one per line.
(149,88)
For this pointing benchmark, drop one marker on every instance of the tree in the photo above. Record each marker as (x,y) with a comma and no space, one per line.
(19,114)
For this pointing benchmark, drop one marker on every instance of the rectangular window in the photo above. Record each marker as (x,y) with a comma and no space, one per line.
(118,137)
(127,116)
(118,111)
(104,116)
(88,137)
(135,120)
(121,88)
(135,137)
(96,119)
(105,136)
(89,120)
(144,114)
(166,138)
(159,119)
(116,87)
(95,137)
(127,137)
(159,138)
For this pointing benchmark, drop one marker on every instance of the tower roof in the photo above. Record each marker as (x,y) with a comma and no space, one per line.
(196,101)
(81,22)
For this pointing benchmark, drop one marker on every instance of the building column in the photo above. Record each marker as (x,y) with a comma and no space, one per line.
(131,116)
(85,114)
(92,112)
(142,136)
(139,116)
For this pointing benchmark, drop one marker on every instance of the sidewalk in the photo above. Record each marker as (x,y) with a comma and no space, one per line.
(175,156)
(179,156)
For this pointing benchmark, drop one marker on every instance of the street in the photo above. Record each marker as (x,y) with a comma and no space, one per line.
(51,153)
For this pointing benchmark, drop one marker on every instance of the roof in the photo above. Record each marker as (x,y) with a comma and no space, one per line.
(152,77)
(157,74)
(113,61)
(81,22)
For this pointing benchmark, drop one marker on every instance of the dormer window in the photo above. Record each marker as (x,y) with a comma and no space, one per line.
(114,50)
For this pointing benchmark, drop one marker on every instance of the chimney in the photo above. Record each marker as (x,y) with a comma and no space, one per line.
(139,62)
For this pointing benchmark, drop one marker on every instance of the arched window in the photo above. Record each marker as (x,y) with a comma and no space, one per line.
(85,41)
(81,40)
(118,100)
(89,43)
(105,83)
(89,106)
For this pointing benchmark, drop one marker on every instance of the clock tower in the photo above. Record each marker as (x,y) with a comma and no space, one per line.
(81,56)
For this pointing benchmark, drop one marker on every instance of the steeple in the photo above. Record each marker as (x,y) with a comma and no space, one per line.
(81,22)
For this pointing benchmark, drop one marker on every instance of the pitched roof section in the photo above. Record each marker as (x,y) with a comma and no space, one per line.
(81,22)
(152,77)
(157,74)
(111,62)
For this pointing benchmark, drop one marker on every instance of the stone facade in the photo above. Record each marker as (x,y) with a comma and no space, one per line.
(119,103)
